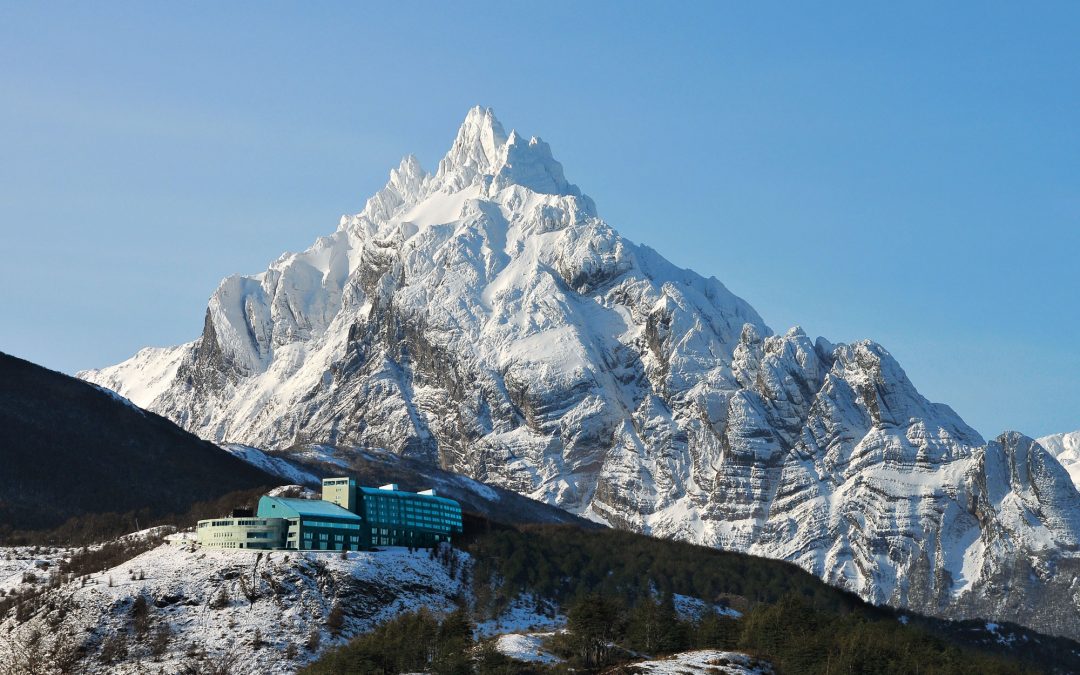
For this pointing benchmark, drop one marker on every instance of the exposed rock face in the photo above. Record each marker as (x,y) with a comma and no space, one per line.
(1066,449)
(485,319)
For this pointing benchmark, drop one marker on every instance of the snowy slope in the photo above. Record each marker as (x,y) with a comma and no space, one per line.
(486,320)
(16,562)
(1066,448)
(293,596)
(246,612)
(275,466)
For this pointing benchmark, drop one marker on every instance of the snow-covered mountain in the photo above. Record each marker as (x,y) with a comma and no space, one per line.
(485,318)
(1066,448)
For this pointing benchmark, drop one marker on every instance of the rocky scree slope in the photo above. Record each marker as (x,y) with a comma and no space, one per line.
(484,318)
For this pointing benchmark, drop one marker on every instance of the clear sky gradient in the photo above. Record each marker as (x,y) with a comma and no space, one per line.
(908,173)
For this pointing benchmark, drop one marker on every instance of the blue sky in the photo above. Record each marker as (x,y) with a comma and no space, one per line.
(902,172)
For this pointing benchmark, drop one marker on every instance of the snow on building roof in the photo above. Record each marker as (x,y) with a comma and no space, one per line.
(382,492)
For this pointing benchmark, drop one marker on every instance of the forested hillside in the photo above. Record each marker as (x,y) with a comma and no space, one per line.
(618,593)
(68,448)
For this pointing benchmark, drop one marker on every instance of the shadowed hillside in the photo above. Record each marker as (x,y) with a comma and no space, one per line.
(68,449)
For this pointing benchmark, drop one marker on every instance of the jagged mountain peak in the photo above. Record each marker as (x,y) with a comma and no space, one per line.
(483,152)
(484,157)
(477,147)
(407,184)
(409,176)
(485,319)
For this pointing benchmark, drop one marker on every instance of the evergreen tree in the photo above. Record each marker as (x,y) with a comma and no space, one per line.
(140,617)
(453,643)
(643,627)
(594,624)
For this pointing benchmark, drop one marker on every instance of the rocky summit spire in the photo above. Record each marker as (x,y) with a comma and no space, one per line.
(482,150)
(476,150)
(407,183)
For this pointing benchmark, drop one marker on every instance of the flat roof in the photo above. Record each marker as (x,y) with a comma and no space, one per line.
(379,492)
(308,507)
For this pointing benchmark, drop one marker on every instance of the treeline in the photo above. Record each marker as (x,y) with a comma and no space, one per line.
(92,528)
(618,591)
(603,634)
(563,562)
(418,642)
(791,635)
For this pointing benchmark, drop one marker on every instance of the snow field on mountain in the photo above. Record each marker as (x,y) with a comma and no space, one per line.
(275,466)
(147,375)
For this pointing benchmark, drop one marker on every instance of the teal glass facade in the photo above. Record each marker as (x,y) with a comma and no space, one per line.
(380,517)
(397,518)
(315,525)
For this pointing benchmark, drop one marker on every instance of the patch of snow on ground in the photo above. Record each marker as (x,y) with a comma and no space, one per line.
(689,608)
(704,661)
(528,647)
(478,488)
(999,635)
(522,616)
